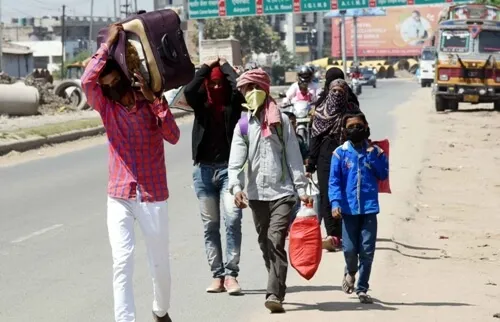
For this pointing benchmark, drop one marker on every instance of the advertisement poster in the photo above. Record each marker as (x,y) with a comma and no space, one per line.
(402,32)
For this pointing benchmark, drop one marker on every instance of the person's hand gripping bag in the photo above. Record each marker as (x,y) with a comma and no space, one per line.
(384,186)
(305,242)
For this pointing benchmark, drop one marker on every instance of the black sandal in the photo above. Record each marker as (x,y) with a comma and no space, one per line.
(348,286)
(365,298)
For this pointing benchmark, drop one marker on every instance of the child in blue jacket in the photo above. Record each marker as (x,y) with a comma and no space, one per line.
(353,192)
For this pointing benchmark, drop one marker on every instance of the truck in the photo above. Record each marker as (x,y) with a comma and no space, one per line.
(71,86)
(426,66)
(229,48)
(468,57)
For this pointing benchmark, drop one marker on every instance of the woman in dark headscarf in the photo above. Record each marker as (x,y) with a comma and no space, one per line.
(325,138)
(331,75)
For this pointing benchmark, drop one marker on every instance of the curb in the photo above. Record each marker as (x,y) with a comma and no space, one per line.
(31,144)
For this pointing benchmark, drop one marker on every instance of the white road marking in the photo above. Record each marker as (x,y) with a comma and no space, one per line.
(36,233)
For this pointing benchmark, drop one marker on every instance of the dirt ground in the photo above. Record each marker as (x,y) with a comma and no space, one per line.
(438,252)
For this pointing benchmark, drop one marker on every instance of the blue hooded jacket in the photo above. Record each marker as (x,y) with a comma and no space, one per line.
(353,182)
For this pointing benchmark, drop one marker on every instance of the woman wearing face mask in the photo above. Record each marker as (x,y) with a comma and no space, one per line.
(331,75)
(216,102)
(325,138)
(265,140)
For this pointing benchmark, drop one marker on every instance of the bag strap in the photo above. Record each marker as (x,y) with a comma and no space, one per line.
(243,124)
(284,163)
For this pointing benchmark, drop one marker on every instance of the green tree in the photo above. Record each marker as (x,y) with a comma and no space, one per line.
(287,60)
(253,33)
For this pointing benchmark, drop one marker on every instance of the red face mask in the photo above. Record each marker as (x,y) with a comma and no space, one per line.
(216,94)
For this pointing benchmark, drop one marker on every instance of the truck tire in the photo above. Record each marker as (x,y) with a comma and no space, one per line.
(423,84)
(439,104)
(496,106)
(60,90)
(453,105)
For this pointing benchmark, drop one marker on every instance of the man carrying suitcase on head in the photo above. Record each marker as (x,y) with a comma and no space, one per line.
(136,124)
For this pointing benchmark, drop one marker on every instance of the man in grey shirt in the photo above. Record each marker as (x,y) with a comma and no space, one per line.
(264,140)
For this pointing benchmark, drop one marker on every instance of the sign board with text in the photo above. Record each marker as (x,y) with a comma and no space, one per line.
(404,31)
(206,9)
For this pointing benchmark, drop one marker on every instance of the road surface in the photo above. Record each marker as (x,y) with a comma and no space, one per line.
(55,261)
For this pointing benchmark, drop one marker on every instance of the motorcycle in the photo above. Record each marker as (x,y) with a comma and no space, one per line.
(356,86)
(301,110)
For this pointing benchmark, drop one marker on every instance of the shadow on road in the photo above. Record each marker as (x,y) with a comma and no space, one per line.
(356,306)
(400,249)
(338,307)
(300,288)
(405,245)
(408,255)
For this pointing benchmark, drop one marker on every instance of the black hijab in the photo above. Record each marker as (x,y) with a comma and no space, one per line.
(331,75)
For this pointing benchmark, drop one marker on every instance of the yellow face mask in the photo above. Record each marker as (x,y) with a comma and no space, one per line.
(255,99)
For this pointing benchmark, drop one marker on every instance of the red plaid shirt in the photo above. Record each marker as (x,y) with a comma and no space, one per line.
(136,153)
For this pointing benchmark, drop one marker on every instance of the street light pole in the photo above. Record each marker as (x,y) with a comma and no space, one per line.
(91,27)
(63,38)
(1,38)
(355,55)
(343,39)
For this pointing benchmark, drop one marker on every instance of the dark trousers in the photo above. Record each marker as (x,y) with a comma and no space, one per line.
(271,219)
(333,226)
(358,243)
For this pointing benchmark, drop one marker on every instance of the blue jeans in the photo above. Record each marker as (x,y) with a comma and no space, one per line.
(210,185)
(359,235)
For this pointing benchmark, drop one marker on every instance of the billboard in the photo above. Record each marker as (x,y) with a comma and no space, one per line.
(402,32)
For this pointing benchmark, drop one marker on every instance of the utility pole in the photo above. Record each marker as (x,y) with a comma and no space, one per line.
(355,54)
(125,6)
(63,38)
(320,27)
(1,38)
(115,8)
(91,27)
(201,29)
(135,6)
(343,39)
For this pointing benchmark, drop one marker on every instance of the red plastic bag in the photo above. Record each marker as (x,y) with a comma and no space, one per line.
(383,185)
(305,243)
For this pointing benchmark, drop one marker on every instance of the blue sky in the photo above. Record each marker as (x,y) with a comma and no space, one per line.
(38,8)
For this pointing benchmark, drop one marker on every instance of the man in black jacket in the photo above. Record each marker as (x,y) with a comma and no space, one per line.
(217,107)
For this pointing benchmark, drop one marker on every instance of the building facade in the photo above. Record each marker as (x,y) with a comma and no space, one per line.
(309,38)
(17,61)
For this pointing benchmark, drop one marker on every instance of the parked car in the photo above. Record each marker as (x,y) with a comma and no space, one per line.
(369,78)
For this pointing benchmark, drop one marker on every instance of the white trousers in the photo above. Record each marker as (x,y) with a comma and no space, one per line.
(153,221)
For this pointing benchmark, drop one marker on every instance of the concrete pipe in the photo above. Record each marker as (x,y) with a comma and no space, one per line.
(73,90)
(19,100)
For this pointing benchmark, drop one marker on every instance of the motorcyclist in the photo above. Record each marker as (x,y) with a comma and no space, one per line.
(304,88)
(356,73)
(250,66)
(317,77)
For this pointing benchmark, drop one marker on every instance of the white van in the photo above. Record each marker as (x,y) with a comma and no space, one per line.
(427,66)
